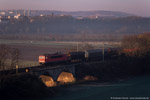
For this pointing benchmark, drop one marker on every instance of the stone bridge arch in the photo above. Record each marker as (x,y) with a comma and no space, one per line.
(46,73)
(56,71)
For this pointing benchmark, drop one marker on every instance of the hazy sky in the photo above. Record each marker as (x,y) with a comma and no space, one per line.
(138,7)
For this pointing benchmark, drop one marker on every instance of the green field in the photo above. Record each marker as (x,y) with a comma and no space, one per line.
(128,89)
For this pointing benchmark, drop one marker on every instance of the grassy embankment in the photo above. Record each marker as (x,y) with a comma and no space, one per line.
(24,87)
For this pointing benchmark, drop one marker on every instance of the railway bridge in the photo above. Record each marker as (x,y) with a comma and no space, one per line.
(54,72)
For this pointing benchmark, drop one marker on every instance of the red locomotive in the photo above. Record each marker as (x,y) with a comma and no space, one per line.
(52,58)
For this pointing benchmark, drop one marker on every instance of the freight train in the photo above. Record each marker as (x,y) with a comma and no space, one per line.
(88,55)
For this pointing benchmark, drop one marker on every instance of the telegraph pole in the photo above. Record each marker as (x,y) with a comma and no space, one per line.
(77,46)
(103,52)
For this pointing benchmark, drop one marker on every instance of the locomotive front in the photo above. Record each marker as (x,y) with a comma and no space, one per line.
(42,59)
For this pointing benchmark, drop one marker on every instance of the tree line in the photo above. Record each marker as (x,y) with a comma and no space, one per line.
(70,25)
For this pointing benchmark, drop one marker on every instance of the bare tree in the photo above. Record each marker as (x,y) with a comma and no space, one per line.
(14,58)
(137,45)
(3,54)
(8,53)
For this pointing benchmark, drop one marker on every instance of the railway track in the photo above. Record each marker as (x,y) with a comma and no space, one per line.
(43,67)
(32,69)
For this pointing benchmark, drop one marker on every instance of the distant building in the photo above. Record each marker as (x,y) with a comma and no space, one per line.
(31,20)
(11,12)
(3,13)
(80,17)
(93,17)
(17,16)
(41,15)
(4,19)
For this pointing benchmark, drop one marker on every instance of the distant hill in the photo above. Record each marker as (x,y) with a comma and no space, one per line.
(94,13)
(73,13)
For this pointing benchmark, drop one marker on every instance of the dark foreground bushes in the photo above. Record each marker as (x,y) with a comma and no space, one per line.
(115,69)
(23,87)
